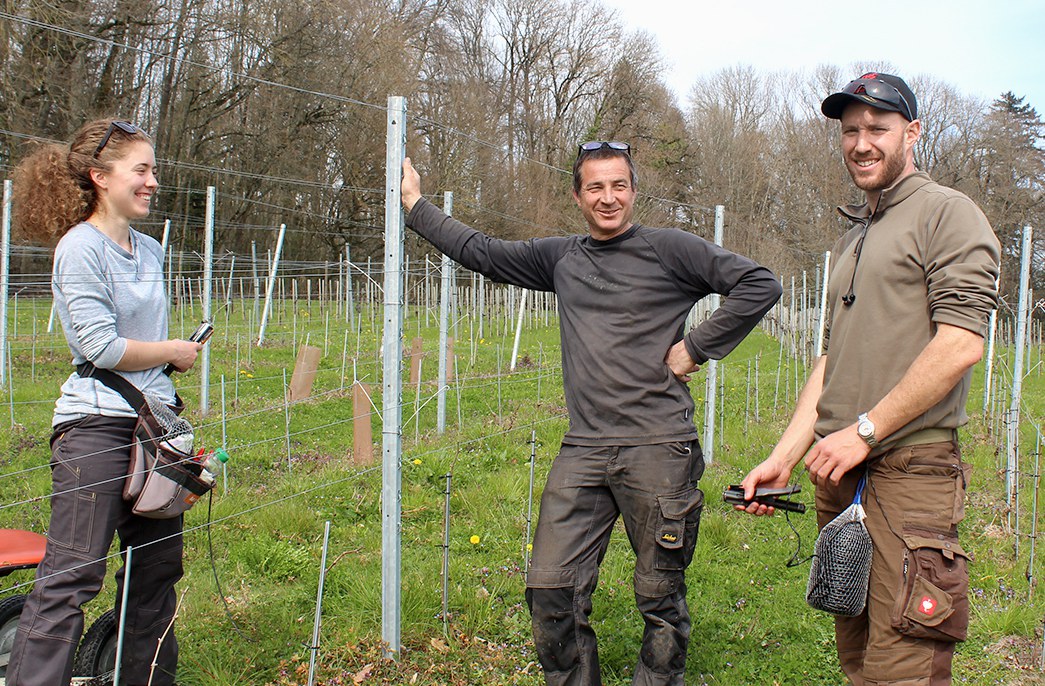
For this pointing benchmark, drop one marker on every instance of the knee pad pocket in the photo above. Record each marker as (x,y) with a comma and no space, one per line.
(554,625)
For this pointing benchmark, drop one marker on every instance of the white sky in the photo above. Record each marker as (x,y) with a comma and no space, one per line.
(981,47)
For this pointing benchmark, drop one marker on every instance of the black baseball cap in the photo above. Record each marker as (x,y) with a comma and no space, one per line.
(881,91)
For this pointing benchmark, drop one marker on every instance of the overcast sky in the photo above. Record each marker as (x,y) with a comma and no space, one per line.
(981,47)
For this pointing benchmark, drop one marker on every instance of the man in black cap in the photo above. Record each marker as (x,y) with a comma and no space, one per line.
(912,285)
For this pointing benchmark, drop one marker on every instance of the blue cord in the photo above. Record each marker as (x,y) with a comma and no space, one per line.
(858,499)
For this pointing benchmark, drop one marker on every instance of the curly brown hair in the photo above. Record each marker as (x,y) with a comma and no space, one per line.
(52,187)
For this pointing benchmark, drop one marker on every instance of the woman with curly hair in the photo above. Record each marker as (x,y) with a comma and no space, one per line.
(108,292)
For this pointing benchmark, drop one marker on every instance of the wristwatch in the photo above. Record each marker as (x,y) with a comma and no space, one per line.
(865,429)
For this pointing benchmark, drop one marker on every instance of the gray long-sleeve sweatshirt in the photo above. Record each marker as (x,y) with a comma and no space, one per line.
(622,304)
(104,296)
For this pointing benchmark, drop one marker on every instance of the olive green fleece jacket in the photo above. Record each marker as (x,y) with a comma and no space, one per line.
(929,257)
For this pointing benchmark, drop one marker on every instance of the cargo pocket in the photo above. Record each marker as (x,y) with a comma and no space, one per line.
(72,519)
(72,502)
(677,529)
(933,602)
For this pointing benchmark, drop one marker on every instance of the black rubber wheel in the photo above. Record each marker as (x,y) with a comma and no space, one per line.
(96,655)
(10,611)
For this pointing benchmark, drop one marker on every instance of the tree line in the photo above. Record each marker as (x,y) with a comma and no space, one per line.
(280,105)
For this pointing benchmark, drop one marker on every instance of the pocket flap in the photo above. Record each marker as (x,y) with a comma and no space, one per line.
(948,546)
(674,511)
(928,605)
(678,506)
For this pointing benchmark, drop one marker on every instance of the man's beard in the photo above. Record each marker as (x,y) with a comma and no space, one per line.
(892,167)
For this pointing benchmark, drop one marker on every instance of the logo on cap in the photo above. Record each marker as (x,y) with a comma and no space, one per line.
(870,75)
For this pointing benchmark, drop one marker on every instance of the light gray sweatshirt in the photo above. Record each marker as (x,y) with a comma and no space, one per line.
(104,296)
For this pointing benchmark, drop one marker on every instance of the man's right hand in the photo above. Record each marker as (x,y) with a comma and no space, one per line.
(410,190)
(680,363)
(772,473)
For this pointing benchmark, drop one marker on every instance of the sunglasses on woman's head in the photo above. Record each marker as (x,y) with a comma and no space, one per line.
(125,126)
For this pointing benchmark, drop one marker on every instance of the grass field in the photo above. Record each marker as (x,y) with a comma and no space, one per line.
(751,624)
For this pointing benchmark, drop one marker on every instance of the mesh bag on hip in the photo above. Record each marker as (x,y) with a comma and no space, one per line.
(171,424)
(842,562)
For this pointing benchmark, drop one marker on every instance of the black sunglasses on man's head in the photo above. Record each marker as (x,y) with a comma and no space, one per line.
(592,146)
(880,90)
(125,126)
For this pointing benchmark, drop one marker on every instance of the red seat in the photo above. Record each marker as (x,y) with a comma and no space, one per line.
(20,549)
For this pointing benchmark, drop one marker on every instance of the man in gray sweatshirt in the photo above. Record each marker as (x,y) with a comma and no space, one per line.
(631,450)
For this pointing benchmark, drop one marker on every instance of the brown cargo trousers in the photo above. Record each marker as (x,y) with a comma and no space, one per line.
(654,488)
(917,604)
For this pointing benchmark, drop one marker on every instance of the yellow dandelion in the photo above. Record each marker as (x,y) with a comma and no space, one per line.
(474,540)
(417,460)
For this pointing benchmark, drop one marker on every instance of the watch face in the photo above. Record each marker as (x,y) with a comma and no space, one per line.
(865,429)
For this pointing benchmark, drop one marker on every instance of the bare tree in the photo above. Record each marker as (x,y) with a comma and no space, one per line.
(280,105)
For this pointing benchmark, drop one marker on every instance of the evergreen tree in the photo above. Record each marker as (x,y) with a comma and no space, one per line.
(1013,180)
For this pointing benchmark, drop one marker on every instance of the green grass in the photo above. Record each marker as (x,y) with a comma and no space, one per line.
(750,622)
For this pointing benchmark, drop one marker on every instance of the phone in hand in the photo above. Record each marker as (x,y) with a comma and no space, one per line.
(201,335)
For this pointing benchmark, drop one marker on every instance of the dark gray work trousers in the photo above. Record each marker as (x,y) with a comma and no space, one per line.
(89,459)
(654,488)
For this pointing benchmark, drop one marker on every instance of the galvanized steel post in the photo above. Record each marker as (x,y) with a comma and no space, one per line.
(5,266)
(208,274)
(444,322)
(988,374)
(164,244)
(1022,315)
(392,427)
(271,284)
(710,394)
(822,314)
(350,297)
